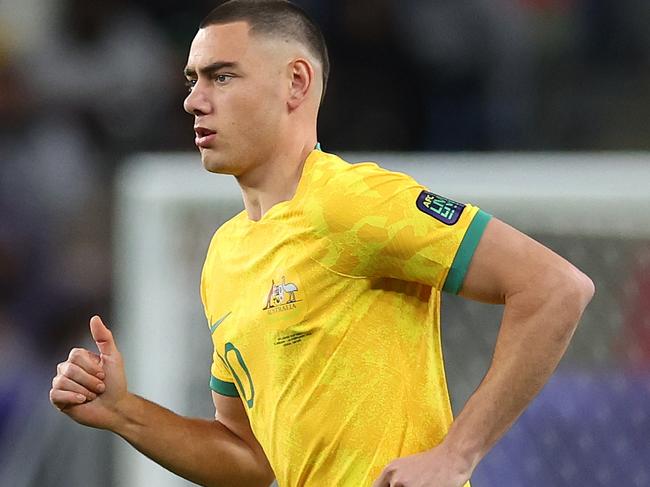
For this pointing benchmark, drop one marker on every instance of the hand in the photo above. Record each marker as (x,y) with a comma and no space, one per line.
(89,387)
(433,468)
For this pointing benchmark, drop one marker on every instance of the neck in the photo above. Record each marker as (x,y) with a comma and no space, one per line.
(276,179)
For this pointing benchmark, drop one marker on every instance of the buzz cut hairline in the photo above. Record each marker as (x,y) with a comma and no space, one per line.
(279,18)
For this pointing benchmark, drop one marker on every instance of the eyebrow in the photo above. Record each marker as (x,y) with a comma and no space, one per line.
(210,68)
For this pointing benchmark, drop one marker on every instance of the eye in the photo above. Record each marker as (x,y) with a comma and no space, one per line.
(222,79)
(189,84)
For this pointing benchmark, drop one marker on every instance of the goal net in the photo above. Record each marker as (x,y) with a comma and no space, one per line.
(591,423)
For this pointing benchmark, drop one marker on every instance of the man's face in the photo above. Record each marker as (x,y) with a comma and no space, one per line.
(237,96)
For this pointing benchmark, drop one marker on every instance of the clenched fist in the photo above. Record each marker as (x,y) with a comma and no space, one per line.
(89,387)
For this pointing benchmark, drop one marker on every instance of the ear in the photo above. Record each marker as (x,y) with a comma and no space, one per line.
(302,80)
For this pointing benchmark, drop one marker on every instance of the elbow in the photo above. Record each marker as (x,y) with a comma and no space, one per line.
(582,288)
(562,294)
(574,291)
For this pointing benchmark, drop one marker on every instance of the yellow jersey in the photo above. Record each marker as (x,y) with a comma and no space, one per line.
(324,317)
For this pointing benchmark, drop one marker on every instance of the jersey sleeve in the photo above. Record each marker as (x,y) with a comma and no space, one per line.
(221,379)
(378,223)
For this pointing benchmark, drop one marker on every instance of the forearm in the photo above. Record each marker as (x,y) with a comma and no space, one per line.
(202,451)
(534,334)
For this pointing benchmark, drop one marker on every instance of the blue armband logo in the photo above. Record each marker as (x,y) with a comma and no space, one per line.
(442,209)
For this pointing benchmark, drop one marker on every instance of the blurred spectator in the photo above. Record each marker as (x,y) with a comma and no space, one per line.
(108,62)
(476,58)
(50,189)
(54,261)
(372,99)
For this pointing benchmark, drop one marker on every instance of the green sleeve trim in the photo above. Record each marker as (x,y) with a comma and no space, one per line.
(222,387)
(456,275)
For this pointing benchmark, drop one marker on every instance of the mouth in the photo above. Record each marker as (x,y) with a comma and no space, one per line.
(204,136)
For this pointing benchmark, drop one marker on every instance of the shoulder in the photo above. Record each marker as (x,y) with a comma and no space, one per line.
(343,195)
(334,174)
(341,188)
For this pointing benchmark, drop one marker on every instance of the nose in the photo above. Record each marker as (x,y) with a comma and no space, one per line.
(197,102)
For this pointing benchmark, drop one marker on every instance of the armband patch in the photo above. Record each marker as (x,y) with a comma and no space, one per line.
(442,209)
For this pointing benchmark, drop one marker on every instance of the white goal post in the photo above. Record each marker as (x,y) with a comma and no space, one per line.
(167,208)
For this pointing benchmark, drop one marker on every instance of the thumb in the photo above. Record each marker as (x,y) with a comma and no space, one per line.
(102,336)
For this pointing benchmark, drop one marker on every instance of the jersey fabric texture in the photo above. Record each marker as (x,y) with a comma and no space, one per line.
(324,318)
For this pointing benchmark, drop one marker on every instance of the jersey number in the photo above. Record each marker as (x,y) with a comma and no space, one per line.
(242,365)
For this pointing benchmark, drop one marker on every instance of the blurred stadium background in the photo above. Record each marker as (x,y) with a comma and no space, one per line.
(87,86)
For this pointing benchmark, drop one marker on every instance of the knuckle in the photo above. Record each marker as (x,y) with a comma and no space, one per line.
(67,369)
(76,353)
(58,382)
(64,368)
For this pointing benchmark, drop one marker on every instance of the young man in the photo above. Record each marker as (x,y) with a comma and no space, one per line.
(323,295)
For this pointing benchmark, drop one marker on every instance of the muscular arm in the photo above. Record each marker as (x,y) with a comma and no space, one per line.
(223,452)
(544,297)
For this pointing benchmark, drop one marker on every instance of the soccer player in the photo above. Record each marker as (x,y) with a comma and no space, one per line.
(323,295)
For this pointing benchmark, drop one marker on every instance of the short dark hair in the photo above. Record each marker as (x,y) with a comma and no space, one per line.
(277,17)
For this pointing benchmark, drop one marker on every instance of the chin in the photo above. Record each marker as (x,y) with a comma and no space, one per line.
(215,163)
